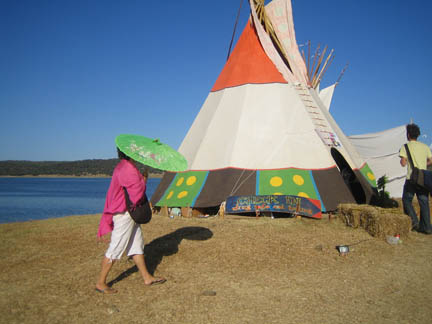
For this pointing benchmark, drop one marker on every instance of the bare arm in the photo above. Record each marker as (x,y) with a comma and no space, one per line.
(429,161)
(403,161)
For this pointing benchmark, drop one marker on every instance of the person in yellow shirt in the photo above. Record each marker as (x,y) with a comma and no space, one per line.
(422,158)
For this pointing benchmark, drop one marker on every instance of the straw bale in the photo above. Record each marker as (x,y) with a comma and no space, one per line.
(378,222)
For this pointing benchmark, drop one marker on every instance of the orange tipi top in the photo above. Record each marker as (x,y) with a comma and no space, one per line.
(248,63)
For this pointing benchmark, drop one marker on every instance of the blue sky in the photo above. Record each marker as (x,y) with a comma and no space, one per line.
(74,74)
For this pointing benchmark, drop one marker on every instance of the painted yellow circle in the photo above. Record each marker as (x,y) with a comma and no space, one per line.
(182,194)
(298,180)
(191,180)
(276,181)
(303,194)
(370,176)
(170,195)
(179,182)
(277,193)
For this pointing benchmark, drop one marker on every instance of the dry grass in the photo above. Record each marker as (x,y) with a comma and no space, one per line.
(232,270)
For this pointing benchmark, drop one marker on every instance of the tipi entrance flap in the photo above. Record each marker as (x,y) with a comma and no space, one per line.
(349,177)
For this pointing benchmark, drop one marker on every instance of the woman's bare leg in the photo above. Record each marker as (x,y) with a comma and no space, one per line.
(148,278)
(101,284)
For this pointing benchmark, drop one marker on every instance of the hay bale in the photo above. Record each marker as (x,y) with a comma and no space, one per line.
(378,222)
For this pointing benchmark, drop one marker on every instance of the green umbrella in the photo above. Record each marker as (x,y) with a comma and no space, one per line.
(151,152)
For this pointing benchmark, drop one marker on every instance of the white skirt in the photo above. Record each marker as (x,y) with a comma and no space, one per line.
(126,236)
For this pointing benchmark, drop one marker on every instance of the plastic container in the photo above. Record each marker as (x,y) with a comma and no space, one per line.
(393,240)
(343,249)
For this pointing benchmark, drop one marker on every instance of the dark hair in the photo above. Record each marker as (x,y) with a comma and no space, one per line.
(413,131)
(121,155)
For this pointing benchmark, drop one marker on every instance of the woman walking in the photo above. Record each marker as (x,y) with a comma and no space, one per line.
(126,234)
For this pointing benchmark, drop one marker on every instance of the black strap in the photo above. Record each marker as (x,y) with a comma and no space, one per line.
(409,156)
(129,202)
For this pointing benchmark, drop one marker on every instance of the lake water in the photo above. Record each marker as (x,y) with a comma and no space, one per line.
(23,199)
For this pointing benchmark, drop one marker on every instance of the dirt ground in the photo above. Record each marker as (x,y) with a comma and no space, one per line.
(231,270)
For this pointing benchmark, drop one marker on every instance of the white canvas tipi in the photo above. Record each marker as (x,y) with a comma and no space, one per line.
(263,129)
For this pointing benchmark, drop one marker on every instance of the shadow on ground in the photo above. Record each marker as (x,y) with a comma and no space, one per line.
(164,246)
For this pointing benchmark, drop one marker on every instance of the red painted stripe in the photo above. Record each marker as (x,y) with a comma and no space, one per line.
(318,169)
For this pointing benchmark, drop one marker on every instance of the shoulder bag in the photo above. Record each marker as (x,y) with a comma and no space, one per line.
(142,212)
(422,178)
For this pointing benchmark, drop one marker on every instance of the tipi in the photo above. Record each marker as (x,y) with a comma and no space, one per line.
(263,129)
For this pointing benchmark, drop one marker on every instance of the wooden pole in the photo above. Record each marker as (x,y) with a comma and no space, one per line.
(235,27)
(313,63)
(324,68)
(341,74)
(165,211)
(321,56)
(222,210)
(308,62)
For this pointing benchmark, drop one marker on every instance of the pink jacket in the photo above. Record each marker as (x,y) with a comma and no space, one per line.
(126,175)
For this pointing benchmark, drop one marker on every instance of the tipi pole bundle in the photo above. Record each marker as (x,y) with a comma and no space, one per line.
(312,67)
(327,63)
(307,62)
(315,73)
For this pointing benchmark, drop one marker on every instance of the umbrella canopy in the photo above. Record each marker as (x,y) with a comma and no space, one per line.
(151,152)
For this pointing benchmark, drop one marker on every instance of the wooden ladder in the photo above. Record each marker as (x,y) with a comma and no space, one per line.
(321,124)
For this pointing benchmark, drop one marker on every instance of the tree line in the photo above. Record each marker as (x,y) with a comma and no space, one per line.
(97,167)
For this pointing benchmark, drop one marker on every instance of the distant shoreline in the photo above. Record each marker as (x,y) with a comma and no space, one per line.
(67,169)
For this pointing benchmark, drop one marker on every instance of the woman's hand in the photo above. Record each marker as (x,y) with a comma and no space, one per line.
(104,239)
